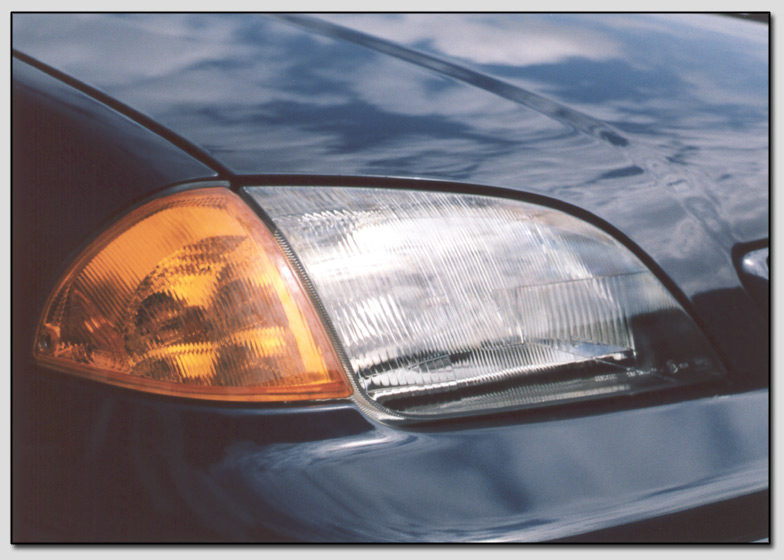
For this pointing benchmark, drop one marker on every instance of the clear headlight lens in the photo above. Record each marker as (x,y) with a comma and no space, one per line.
(449,304)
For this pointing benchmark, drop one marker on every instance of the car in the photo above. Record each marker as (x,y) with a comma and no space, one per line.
(390,278)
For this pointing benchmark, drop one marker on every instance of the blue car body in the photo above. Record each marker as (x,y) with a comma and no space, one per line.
(655,127)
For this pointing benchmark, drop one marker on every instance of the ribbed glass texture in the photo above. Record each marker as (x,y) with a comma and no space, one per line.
(451,303)
(190,295)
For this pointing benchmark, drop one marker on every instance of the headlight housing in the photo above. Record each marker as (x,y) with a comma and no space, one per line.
(447,304)
(422,304)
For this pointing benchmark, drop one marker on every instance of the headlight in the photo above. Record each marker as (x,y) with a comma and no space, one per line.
(435,304)
(448,304)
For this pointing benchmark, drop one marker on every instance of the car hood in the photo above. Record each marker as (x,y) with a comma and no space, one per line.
(653,123)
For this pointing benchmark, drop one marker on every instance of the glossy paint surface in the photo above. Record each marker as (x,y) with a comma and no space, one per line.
(657,126)
(482,99)
(76,164)
(468,485)
(141,468)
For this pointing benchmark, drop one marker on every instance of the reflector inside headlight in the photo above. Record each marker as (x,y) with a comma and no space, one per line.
(448,303)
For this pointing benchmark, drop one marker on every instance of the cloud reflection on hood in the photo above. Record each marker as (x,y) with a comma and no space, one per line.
(264,96)
(490,40)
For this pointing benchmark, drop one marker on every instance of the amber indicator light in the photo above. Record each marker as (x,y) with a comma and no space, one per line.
(190,295)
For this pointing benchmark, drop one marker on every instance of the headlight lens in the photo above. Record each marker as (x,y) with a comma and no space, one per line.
(437,304)
(448,304)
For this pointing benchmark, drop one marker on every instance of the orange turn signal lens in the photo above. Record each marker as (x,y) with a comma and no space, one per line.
(190,295)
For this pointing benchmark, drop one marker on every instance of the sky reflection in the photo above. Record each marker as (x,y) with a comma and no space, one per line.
(265,96)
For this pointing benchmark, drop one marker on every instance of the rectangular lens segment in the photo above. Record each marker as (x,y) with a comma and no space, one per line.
(449,304)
